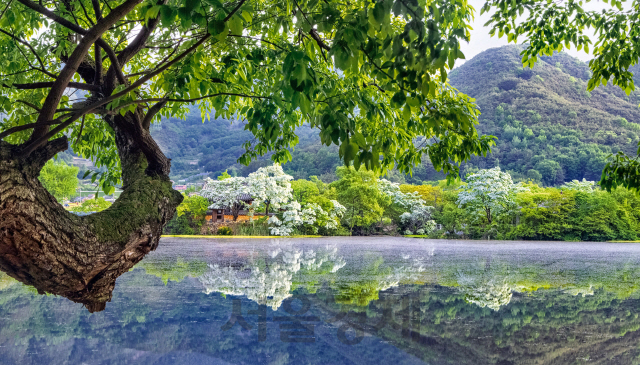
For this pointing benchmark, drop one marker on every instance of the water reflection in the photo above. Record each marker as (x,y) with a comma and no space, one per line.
(344,301)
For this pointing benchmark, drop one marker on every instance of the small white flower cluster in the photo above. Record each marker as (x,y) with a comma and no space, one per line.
(583,186)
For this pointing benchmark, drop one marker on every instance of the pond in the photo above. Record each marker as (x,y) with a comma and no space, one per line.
(344,300)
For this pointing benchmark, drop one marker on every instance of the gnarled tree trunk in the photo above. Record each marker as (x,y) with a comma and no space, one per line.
(43,245)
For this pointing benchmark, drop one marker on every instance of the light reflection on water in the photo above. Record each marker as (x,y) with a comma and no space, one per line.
(344,301)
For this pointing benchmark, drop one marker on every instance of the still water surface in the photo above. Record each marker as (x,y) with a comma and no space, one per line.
(344,301)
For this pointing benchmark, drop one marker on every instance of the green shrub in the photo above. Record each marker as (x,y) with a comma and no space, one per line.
(225,231)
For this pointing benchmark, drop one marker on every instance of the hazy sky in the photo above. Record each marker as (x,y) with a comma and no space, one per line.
(480,39)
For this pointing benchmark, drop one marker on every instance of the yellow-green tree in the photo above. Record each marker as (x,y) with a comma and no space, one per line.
(60,179)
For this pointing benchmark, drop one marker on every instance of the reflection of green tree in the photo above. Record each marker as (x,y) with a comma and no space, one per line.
(174,271)
(362,286)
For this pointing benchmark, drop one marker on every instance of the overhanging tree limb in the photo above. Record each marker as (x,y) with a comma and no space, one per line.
(64,22)
(76,58)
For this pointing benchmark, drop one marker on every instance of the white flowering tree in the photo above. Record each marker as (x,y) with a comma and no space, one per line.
(225,193)
(311,217)
(583,186)
(489,193)
(417,218)
(270,185)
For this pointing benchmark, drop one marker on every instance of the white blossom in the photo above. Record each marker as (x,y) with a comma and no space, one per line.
(224,193)
(584,185)
(271,185)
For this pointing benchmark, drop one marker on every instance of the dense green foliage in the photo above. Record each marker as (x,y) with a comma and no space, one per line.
(189,217)
(91,206)
(489,205)
(547,213)
(59,179)
(362,73)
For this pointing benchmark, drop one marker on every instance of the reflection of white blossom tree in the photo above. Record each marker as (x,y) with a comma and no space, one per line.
(270,285)
(492,293)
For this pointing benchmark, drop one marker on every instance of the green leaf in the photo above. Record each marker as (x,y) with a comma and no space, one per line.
(167,15)
(359,139)
(192,5)
(235,25)
(399,99)
(216,27)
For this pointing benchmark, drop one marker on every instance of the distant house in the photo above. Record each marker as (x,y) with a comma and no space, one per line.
(224,214)
(180,187)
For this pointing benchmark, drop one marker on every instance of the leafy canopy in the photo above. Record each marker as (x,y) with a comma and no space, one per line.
(370,75)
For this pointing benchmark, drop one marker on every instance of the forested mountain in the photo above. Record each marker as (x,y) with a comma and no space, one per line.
(549,128)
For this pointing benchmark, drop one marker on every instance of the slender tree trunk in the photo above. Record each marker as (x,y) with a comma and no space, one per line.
(266,210)
(235,210)
(43,245)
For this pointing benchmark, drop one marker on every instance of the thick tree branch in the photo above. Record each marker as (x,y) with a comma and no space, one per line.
(32,146)
(314,34)
(43,85)
(135,46)
(98,52)
(96,9)
(25,127)
(30,105)
(234,11)
(146,122)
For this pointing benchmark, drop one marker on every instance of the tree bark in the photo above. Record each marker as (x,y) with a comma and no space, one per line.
(43,245)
